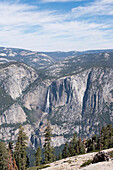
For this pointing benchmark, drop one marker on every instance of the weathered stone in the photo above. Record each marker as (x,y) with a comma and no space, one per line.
(14,114)
(100,157)
(15,78)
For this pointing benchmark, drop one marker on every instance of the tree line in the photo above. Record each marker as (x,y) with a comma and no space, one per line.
(15,158)
(98,142)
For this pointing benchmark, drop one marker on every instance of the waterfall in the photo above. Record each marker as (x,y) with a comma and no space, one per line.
(47,103)
(34,142)
(32,139)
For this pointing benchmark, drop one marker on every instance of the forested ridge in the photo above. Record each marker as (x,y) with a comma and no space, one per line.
(14,156)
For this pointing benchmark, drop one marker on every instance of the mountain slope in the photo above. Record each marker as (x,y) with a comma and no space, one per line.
(15,78)
(32,58)
(77,63)
(78,98)
(41,60)
(80,103)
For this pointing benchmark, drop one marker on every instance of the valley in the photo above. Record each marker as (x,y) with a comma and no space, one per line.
(74,93)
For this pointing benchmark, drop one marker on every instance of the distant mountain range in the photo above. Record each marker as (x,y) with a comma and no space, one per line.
(40,60)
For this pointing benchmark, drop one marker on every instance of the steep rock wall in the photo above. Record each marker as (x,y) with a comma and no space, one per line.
(15,78)
(81,103)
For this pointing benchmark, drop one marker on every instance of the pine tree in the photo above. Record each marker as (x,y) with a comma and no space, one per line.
(101,138)
(10,158)
(11,147)
(10,161)
(14,164)
(94,143)
(72,146)
(20,149)
(109,136)
(82,148)
(78,145)
(38,157)
(54,155)
(48,149)
(60,156)
(27,162)
(65,152)
(3,156)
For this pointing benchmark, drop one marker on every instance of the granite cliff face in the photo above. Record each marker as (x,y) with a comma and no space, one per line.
(15,78)
(80,103)
(14,114)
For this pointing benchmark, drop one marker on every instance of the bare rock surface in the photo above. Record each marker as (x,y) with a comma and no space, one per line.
(13,115)
(74,163)
(15,78)
(100,166)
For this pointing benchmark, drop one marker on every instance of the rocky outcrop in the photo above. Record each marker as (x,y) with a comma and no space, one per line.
(13,115)
(100,157)
(15,78)
(36,98)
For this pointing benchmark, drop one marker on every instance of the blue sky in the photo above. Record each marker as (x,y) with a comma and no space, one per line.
(56,25)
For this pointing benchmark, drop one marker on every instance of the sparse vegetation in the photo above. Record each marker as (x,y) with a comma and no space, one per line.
(38,157)
(39,167)
(111,154)
(88,162)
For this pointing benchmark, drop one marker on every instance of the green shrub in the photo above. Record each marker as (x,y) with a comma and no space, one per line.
(39,167)
(86,163)
(111,154)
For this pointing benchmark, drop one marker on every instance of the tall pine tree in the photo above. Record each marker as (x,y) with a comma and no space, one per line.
(10,161)
(48,149)
(60,156)
(65,152)
(38,157)
(3,156)
(20,149)
(72,146)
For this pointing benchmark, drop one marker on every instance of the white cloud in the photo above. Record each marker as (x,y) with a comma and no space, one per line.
(23,15)
(102,7)
(26,26)
(105,1)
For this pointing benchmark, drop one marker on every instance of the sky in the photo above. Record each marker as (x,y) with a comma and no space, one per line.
(56,25)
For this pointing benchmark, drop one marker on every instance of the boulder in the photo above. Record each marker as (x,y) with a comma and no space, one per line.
(100,157)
